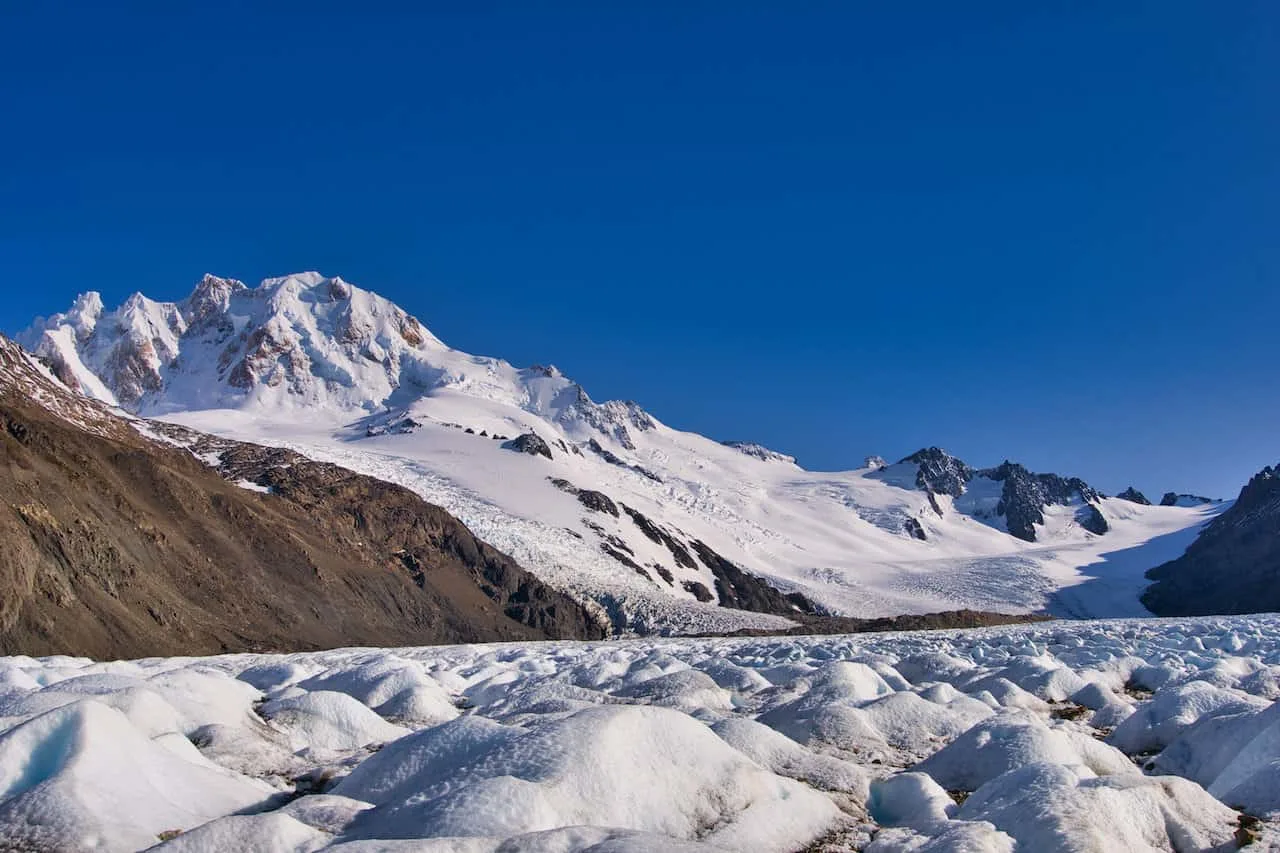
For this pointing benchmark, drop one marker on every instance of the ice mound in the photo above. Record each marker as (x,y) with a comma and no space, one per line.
(325,722)
(1012,740)
(1069,808)
(397,689)
(780,754)
(1156,723)
(642,768)
(82,776)
(264,833)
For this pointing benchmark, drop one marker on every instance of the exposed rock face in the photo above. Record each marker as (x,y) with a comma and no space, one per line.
(1233,566)
(116,545)
(743,591)
(401,426)
(614,459)
(1025,495)
(592,500)
(611,418)
(531,443)
(656,533)
(1091,519)
(1023,498)
(1175,499)
(759,451)
(698,591)
(940,472)
(1134,496)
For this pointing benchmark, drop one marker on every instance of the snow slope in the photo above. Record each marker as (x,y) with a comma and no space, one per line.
(340,374)
(1136,735)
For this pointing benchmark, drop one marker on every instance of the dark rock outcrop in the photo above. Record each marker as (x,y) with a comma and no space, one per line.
(401,426)
(940,472)
(1025,495)
(657,534)
(592,500)
(914,528)
(1176,499)
(698,591)
(529,442)
(1134,496)
(824,624)
(614,459)
(1090,518)
(744,591)
(1234,564)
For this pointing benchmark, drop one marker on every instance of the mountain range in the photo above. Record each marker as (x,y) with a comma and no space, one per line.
(659,529)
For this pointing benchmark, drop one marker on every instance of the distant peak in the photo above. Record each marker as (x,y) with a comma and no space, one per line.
(759,451)
(88,303)
(135,301)
(210,282)
(1183,499)
(1134,496)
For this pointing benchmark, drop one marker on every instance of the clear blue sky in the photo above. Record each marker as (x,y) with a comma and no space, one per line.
(1046,231)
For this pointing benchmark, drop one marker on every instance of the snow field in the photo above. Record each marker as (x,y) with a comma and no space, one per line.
(1099,736)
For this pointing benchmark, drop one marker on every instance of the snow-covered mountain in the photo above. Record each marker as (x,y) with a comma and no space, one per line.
(603,499)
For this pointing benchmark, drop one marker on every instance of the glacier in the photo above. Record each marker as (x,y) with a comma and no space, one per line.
(1142,735)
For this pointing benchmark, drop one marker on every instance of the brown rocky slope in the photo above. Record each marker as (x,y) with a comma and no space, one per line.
(115,544)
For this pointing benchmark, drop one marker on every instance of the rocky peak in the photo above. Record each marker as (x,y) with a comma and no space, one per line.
(530,443)
(211,297)
(1262,492)
(1025,495)
(1176,499)
(615,418)
(84,313)
(339,289)
(940,472)
(1134,496)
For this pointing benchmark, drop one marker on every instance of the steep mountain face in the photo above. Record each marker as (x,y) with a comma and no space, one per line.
(1233,566)
(115,542)
(337,373)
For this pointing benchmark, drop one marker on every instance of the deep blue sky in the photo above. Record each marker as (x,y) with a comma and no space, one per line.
(1046,231)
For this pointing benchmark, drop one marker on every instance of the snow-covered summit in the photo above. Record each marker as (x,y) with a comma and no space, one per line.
(301,341)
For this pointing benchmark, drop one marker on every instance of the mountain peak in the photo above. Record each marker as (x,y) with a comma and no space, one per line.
(940,472)
(1134,496)
(303,340)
